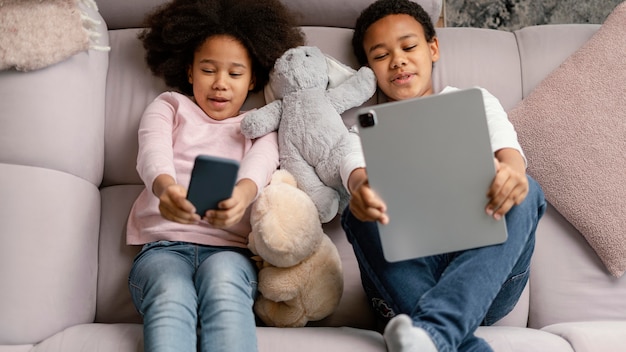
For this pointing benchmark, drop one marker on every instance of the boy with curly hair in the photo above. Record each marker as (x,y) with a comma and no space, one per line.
(436,303)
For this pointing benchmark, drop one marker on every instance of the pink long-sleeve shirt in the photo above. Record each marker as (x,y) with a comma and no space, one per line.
(172,132)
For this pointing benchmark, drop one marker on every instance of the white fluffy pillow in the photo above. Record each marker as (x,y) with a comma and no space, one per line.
(35,34)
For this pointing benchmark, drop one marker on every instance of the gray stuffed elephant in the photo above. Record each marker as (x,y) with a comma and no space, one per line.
(312,137)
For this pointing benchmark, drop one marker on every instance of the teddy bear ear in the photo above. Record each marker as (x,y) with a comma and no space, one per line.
(337,71)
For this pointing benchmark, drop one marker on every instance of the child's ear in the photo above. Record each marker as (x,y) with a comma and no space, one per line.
(252,83)
(190,74)
(434,49)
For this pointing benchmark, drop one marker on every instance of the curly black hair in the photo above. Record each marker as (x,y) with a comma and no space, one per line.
(382,8)
(178,28)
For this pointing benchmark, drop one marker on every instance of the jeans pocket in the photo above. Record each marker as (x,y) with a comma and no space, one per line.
(136,294)
(507,298)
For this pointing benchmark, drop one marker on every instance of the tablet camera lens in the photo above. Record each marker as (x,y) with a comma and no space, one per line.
(367,119)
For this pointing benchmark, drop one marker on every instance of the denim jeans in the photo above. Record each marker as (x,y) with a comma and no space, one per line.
(195,298)
(450,295)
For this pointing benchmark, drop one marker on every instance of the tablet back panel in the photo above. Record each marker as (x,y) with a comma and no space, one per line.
(431,161)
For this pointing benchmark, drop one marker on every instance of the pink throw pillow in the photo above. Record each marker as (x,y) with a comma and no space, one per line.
(572,127)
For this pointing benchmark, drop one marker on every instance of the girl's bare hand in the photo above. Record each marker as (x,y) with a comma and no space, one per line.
(174,205)
(230,211)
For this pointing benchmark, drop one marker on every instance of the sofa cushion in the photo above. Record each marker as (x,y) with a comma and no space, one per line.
(319,339)
(568,282)
(572,129)
(114,303)
(49,253)
(515,339)
(95,338)
(129,337)
(592,336)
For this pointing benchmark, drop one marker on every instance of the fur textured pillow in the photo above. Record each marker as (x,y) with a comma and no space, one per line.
(35,33)
(573,130)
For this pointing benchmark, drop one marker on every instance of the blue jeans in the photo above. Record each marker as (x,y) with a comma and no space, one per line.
(185,291)
(450,295)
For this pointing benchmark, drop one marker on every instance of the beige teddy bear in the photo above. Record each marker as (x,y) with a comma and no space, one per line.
(300,277)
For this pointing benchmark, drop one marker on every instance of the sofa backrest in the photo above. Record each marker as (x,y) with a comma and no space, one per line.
(129,14)
(479,57)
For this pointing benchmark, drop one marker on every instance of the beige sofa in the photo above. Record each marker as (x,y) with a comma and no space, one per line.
(67,181)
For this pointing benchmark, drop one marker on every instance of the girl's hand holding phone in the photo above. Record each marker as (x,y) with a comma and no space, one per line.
(230,211)
(174,206)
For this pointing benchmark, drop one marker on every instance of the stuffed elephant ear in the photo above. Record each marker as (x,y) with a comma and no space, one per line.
(338,72)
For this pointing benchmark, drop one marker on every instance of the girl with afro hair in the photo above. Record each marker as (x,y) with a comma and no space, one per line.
(193,280)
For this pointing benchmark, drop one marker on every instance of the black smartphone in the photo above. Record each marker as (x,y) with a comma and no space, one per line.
(212,180)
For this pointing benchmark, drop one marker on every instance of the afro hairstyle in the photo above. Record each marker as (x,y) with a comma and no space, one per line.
(175,30)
